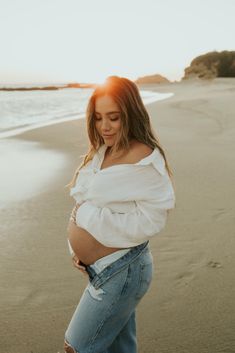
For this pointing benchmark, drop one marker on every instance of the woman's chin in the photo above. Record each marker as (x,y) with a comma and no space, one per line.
(109,143)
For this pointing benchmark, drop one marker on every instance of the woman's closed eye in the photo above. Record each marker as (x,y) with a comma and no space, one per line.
(98,118)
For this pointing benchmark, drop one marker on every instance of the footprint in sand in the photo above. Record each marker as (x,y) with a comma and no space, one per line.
(184,278)
(219,213)
(214,264)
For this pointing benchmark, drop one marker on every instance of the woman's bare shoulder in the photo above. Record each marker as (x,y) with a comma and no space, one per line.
(138,151)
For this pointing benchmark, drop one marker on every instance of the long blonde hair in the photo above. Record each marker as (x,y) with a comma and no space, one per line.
(135,121)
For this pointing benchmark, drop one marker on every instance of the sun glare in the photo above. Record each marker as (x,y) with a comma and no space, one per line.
(101,80)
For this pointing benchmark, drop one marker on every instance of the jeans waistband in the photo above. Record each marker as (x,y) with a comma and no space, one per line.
(98,279)
(105,261)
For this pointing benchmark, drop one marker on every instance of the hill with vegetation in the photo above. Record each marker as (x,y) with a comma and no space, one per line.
(211,65)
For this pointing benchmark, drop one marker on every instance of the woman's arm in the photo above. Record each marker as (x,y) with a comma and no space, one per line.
(123,229)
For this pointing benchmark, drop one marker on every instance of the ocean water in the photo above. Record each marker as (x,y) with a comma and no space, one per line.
(26,110)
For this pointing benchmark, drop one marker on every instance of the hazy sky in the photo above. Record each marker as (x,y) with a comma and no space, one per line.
(87,40)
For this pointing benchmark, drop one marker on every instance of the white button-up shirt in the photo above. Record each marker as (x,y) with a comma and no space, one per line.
(125,204)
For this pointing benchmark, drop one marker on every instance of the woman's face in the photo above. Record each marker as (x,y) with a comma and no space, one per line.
(107,119)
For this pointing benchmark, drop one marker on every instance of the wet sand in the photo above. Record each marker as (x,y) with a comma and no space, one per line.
(190,306)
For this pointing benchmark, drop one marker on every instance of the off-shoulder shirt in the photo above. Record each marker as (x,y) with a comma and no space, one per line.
(125,204)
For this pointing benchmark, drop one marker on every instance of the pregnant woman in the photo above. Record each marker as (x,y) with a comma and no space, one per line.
(123,193)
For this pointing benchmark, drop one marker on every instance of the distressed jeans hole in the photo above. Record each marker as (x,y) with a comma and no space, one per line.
(68,348)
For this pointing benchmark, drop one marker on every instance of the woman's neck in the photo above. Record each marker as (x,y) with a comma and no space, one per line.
(121,153)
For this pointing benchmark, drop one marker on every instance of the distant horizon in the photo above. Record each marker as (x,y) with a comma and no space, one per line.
(62,82)
(50,83)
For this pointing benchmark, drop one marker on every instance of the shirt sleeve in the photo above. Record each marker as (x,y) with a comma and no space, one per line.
(114,229)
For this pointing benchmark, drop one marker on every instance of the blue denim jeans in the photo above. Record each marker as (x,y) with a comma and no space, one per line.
(104,320)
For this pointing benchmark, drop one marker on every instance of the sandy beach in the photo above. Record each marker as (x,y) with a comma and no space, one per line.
(190,307)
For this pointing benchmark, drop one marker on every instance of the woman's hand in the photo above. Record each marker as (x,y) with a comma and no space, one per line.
(77,264)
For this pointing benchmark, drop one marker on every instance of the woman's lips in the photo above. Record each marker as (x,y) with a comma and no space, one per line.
(108,136)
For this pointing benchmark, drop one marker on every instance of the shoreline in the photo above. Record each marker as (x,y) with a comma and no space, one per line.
(190,305)
(15,131)
(44,163)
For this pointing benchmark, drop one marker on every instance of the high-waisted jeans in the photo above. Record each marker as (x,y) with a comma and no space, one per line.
(104,320)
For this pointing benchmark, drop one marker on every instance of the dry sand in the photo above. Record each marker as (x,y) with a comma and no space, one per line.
(190,307)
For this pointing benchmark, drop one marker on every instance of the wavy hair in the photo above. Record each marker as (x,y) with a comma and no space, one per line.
(135,121)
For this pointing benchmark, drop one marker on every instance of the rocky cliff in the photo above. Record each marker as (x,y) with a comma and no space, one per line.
(211,65)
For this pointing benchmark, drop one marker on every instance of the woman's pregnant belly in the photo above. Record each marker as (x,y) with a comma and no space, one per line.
(85,246)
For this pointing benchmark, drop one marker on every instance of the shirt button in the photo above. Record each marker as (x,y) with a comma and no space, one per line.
(95,170)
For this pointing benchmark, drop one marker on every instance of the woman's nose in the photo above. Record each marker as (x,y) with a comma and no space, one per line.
(105,125)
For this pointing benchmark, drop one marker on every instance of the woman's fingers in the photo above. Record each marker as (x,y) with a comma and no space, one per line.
(76,263)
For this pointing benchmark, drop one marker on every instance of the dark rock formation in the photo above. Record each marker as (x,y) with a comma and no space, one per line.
(211,65)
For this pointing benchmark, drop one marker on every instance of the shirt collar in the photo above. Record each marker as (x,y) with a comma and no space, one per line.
(155,158)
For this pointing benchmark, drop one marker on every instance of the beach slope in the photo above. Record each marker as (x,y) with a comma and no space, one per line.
(190,306)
